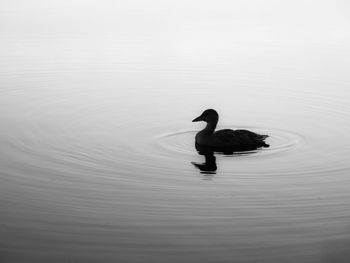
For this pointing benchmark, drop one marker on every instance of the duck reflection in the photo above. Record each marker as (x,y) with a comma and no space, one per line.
(209,166)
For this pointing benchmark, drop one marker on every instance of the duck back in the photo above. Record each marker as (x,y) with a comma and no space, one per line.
(239,138)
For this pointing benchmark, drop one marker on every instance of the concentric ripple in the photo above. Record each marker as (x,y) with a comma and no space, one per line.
(98,162)
(182,142)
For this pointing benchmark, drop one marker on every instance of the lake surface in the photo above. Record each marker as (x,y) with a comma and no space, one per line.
(97,143)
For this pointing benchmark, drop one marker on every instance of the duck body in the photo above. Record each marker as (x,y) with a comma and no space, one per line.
(236,140)
(225,140)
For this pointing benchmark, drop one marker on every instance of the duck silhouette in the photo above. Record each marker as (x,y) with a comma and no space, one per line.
(227,141)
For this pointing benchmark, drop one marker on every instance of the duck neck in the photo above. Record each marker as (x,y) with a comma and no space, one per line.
(210,128)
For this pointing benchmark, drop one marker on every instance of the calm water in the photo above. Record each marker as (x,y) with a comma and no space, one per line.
(97,143)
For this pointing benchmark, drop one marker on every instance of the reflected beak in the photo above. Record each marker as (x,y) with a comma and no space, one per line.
(197,119)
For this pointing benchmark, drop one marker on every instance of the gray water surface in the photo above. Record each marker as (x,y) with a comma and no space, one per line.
(97,143)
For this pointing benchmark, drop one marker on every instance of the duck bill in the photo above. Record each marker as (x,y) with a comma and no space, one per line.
(199,118)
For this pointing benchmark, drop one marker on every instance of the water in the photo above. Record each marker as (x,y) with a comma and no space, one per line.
(97,143)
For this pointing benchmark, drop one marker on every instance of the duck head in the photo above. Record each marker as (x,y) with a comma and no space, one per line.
(209,116)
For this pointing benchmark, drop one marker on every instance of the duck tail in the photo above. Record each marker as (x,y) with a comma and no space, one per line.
(263,137)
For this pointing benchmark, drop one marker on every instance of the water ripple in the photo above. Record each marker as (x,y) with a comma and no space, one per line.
(182,142)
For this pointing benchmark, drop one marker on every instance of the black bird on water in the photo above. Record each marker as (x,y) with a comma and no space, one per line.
(227,141)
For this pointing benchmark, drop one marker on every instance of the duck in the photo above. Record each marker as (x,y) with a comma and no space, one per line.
(225,140)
